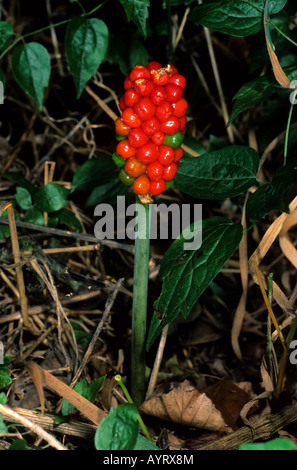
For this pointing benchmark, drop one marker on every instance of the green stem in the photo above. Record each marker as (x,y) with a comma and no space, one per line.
(48,27)
(282,33)
(139,309)
(128,396)
(288,126)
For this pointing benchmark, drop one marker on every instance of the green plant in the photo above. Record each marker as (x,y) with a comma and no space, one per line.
(276,444)
(226,170)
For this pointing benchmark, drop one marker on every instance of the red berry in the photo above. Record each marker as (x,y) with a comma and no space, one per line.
(134,167)
(127,83)
(174,92)
(153,65)
(120,127)
(144,86)
(171,69)
(141,185)
(166,155)
(164,111)
(137,138)
(158,95)
(131,97)
(145,109)
(182,122)
(122,104)
(178,79)
(157,187)
(158,138)
(180,108)
(169,172)
(160,77)
(178,153)
(139,72)
(155,171)
(125,150)
(130,118)
(147,153)
(151,126)
(171,126)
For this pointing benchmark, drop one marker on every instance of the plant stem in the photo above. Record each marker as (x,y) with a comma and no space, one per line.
(128,396)
(288,127)
(139,309)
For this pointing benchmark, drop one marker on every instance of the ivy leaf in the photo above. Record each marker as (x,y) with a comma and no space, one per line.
(86,43)
(51,197)
(234,17)
(31,67)
(187,273)
(137,11)
(118,431)
(34,216)
(23,198)
(220,174)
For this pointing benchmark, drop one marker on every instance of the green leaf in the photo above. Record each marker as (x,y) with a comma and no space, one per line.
(86,43)
(137,11)
(31,67)
(187,273)
(234,17)
(118,431)
(5,379)
(221,174)
(51,197)
(3,399)
(274,195)
(251,94)
(93,172)
(107,193)
(19,444)
(6,33)
(87,391)
(275,444)
(69,218)
(34,216)
(144,444)
(20,181)
(23,198)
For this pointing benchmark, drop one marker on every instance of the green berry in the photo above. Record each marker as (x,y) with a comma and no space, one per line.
(126,179)
(118,161)
(174,141)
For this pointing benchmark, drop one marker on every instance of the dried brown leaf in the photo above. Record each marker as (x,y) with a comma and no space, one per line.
(187,406)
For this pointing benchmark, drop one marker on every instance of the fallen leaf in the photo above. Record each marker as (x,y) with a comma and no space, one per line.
(185,405)
(228,399)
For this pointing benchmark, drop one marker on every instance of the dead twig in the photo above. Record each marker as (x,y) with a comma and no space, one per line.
(261,429)
(10,414)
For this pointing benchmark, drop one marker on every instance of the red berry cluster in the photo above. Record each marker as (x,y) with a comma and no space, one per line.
(151,128)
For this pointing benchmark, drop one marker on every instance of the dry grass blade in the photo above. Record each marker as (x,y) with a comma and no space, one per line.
(90,411)
(270,311)
(17,261)
(286,245)
(240,311)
